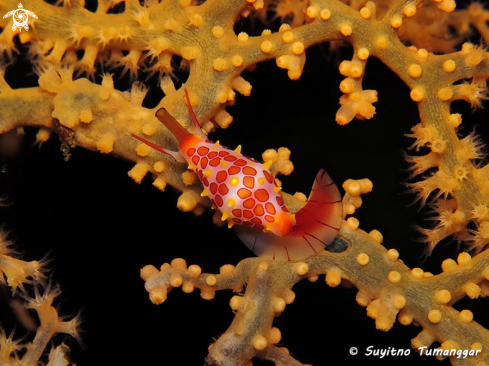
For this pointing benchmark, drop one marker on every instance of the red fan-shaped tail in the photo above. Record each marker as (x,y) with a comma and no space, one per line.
(317,224)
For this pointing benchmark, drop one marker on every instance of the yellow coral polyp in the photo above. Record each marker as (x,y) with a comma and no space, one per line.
(396,21)
(106,143)
(160,183)
(301,268)
(418,94)
(394,277)
(189,53)
(465,316)
(392,254)
(434,316)
(346,29)
(312,12)
(409,10)
(259,342)
(363,259)
(417,273)
(325,14)
(415,71)
(297,48)
(445,94)
(266,46)
(218,31)
(196,20)
(363,53)
(449,66)
(365,13)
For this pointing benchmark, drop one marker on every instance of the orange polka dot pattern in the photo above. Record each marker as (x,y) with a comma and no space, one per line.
(237,185)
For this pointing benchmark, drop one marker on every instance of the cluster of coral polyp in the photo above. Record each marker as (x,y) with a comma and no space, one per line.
(132,36)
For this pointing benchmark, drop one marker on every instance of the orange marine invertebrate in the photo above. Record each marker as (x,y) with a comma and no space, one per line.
(244,191)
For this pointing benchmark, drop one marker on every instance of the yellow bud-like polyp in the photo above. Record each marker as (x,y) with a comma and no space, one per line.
(465,316)
(274,336)
(278,304)
(312,12)
(236,302)
(194,271)
(417,273)
(138,172)
(356,69)
(476,346)
(220,64)
(396,21)
(455,120)
(443,296)
(449,66)
(417,94)
(352,223)
(189,178)
(422,54)
(409,10)
(211,280)
(297,48)
(301,268)
(376,235)
(176,280)
(284,27)
(333,277)
(188,287)
(196,20)
(259,342)
(288,37)
(445,93)
(243,37)
(414,70)
(449,265)
(394,277)
(160,183)
(365,13)
(434,316)
(149,129)
(363,259)
(363,53)
(218,31)
(43,135)
(399,301)
(464,259)
(86,116)
(325,14)
(405,318)
(106,143)
(393,255)
(289,297)
(382,42)
(189,53)
(472,290)
(345,29)
(143,150)
(266,46)
(158,295)
(148,271)
(347,86)
(237,61)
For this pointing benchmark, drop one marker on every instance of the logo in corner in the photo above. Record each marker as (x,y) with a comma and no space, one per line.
(20,17)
